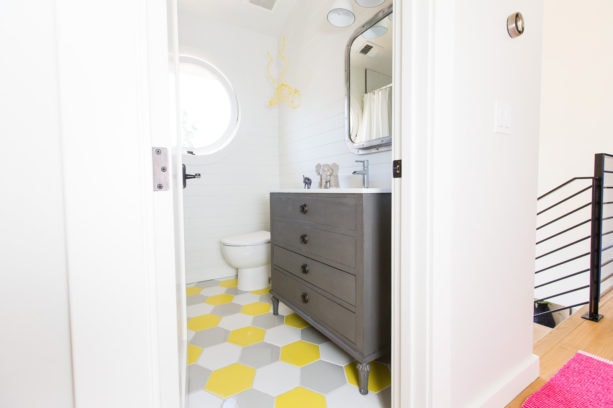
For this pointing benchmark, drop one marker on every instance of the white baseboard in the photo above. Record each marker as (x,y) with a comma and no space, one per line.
(208,275)
(508,387)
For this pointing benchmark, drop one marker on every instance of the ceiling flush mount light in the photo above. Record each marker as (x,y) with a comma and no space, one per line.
(375,31)
(369,3)
(341,13)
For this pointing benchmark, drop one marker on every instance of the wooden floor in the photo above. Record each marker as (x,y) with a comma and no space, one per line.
(574,334)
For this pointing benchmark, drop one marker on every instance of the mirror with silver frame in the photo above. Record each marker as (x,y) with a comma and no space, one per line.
(368,82)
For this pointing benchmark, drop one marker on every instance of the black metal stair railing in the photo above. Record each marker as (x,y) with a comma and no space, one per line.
(574,244)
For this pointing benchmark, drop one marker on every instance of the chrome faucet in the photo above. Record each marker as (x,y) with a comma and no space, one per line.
(363,172)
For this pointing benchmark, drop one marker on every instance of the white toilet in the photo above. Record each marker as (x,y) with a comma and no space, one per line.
(250,255)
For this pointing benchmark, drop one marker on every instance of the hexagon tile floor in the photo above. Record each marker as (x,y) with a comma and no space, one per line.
(242,356)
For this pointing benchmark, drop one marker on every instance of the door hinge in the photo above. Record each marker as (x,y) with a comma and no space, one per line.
(161,178)
(397,169)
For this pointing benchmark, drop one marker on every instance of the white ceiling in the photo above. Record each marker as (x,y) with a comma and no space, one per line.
(245,14)
(242,13)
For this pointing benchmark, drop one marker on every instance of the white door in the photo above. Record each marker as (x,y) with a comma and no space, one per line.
(124,239)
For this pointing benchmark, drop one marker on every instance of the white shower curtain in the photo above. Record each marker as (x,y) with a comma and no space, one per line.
(376,118)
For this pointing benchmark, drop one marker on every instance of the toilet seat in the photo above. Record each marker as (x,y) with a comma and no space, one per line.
(250,239)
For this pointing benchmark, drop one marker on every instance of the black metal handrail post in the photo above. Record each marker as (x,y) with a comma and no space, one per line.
(596,240)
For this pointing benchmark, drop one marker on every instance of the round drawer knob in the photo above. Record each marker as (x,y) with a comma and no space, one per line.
(305,297)
(304,238)
(304,208)
(304,268)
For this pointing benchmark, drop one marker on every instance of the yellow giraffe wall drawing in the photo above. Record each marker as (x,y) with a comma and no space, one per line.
(283,92)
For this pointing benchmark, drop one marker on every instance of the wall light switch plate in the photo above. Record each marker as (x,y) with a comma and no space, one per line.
(503,118)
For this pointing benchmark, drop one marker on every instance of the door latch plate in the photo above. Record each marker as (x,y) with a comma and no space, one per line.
(161,177)
(397,169)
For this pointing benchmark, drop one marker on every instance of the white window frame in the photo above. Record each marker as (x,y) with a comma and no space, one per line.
(233,122)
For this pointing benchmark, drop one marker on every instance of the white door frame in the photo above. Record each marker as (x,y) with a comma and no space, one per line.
(412,208)
(122,257)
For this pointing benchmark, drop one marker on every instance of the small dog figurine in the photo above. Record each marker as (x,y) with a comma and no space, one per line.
(307,182)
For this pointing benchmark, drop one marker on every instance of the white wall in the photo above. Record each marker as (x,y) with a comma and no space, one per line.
(315,132)
(232,195)
(577,86)
(35,346)
(481,204)
(576,107)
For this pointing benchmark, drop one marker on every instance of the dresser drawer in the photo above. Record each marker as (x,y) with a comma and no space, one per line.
(302,296)
(332,248)
(334,281)
(337,213)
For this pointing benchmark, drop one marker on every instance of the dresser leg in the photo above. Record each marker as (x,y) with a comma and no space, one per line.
(363,370)
(275,305)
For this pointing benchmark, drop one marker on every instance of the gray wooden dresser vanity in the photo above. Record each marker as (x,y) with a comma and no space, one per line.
(331,265)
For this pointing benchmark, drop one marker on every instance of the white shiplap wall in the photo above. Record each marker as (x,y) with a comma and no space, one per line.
(314,133)
(232,195)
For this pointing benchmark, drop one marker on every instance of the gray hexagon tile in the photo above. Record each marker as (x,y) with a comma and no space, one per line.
(322,376)
(233,291)
(259,355)
(313,336)
(226,309)
(267,321)
(198,376)
(254,399)
(210,337)
(194,300)
(265,298)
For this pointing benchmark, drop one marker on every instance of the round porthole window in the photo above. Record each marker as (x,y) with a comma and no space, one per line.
(208,107)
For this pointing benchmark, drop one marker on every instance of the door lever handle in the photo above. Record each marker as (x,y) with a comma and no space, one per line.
(188,176)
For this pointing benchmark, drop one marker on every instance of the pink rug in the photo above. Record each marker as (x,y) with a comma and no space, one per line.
(585,381)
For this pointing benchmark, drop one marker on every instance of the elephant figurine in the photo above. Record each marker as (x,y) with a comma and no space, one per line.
(328,175)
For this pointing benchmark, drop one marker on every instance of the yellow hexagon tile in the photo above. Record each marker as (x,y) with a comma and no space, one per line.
(256,308)
(203,322)
(300,398)
(379,376)
(230,283)
(230,380)
(246,336)
(193,352)
(219,299)
(295,321)
(299,353)
(261,291)
(193,290)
